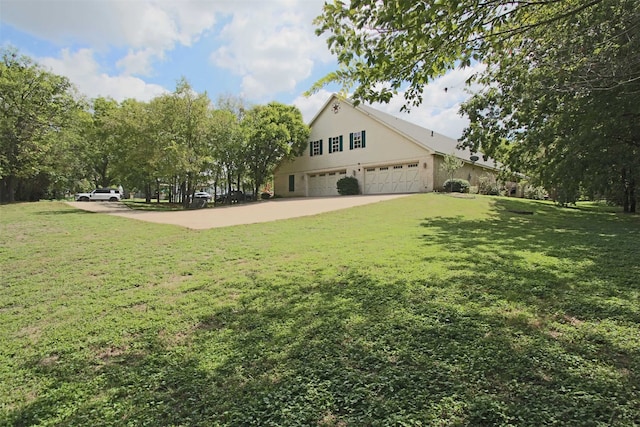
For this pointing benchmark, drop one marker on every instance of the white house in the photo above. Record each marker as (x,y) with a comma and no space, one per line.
(385,154)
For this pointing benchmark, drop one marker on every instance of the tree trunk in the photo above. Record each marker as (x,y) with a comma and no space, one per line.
(157,190)
(625,194)
(147,192)
(183,194)
(188,191)
(257,182)
(8,189)
(632,196)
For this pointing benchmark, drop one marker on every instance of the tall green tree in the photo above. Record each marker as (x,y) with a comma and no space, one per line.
(67,169)
(227,143)
(239,107)
(274,132)
(185,115)
(560,89)
(139,154)
(35,106)
(562,106)
(102,134)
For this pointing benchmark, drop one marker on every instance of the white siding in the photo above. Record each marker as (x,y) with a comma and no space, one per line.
(383,147)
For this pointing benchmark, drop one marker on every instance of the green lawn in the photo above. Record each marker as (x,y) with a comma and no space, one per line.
(425,310)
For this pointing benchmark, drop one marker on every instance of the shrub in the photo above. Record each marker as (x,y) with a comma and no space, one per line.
(348,186)
(488,186)
(456,186)
(535,193)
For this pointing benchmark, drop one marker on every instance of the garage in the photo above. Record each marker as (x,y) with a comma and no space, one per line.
(324,184)
(401,178)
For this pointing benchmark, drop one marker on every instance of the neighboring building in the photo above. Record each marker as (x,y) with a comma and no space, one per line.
(385,154)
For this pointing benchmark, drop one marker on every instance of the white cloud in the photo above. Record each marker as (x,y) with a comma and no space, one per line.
(271,46)
(148,28)
(440,103)
(139,24)
(139,61)
(83,70)
(309,106)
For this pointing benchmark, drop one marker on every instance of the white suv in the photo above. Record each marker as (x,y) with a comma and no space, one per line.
(100,194)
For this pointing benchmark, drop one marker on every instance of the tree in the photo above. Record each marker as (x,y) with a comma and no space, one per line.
(103,141)
(139,156)
(274,132)
(227,144)
(36,106)
(451,164)
(560,89)
(66,167)
(181,133)
(382,47)
(561,106)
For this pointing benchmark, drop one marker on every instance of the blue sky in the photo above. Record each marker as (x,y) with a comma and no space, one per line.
(261,50)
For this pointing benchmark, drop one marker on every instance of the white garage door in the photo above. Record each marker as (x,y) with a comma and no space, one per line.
(324,184)
(404,178)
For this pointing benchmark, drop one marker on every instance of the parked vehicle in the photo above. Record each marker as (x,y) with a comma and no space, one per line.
(100,194)
(202,195)
(235,196)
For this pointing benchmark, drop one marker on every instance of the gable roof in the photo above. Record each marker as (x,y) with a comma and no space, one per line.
(433,141)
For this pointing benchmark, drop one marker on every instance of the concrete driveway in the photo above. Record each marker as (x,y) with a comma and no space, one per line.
(250,213)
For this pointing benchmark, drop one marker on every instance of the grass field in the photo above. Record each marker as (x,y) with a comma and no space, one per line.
(425,310)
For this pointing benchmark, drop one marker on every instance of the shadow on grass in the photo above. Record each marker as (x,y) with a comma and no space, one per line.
(556,259)
(534,325)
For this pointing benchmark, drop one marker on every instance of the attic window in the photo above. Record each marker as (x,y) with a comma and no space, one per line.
(335,144)
(315,148)
(357,140)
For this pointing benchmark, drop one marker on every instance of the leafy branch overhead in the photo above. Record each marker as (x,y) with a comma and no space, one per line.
(558,95)
(384,46)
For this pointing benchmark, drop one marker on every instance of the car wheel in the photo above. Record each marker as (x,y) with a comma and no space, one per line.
(113,199)
(83,199)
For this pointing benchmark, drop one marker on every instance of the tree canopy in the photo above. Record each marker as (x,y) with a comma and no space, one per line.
(559,93)
(36,107)
(274,132)
(176,143)
(561,104)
